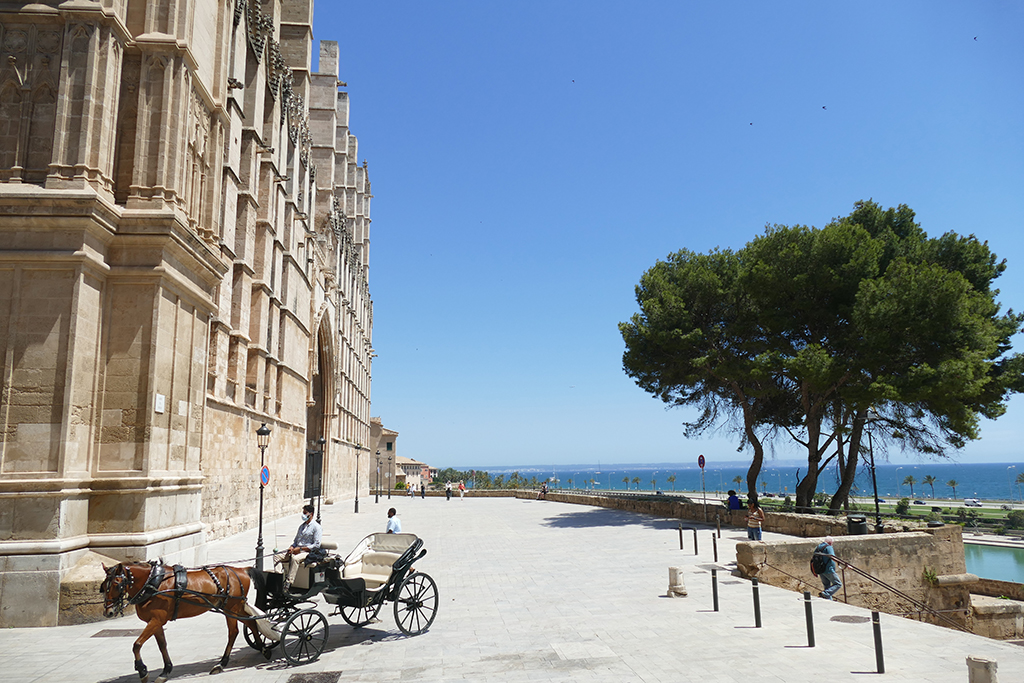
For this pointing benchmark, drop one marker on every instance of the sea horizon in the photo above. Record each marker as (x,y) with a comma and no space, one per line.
(986,481)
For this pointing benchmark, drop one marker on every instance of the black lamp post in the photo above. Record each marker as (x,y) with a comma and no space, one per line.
(874,480)
(320,478)
(262,440)
(359,447)
(389,477)
(376,490)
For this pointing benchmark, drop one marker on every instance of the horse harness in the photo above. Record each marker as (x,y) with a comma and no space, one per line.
(157,574)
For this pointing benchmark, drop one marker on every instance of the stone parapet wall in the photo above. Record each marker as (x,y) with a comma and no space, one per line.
(928,567)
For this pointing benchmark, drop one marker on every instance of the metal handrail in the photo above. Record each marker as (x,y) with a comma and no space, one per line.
(920,605)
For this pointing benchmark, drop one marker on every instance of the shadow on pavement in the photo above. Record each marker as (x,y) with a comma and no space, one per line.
(595,517)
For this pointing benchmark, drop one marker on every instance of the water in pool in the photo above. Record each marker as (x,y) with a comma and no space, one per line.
(992,562)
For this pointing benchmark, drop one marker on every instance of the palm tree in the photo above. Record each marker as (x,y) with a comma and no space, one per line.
(930,480)
(738,480)
(625,480)
(910,481)
(672,480)
(952,483)
(569,480)
(654,482)
(636,480)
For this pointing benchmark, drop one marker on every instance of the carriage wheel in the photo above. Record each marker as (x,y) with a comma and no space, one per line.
(416,604)
(258,641)
(359,616)
(304,636)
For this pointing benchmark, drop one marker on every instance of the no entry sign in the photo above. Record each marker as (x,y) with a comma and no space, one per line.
(700,461)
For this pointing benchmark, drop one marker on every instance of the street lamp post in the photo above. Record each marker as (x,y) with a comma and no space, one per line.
(388,477)
(359,447)
(874,485)
(376,490)
(1010,481)
(898,491)
(262,440)
(320,478)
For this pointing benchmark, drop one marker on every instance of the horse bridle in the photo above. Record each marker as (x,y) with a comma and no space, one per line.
(128,580)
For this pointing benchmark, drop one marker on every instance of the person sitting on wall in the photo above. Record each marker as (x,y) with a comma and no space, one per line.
(734,502)
(307,539)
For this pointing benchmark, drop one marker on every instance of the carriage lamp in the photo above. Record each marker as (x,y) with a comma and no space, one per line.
(262,440)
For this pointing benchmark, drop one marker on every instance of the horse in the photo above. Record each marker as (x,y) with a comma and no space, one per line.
(161,594)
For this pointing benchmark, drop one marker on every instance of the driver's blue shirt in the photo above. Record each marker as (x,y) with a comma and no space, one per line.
(308,535)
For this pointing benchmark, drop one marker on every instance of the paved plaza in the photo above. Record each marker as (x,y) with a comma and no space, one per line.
(537,591)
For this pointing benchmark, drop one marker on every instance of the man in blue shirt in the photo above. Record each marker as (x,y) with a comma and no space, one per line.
(307,538)
(828,577)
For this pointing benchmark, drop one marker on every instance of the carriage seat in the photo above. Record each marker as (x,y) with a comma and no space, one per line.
(302,578)
(373,567)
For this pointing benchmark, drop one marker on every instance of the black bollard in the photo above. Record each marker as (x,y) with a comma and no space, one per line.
(714,545)
(757,605)
(718,523)
(810,618)
(714,587)
(680,535)
(695,541)
(876,626)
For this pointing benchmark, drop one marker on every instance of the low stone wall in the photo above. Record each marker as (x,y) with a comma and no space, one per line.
(900,560)
(999,589)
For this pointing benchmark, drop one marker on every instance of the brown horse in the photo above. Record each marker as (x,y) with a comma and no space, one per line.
(158,598)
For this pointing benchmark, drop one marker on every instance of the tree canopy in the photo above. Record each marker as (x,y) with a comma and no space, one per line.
(820,333)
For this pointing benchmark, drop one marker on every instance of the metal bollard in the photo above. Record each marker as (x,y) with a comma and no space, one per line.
(714,545)
(718,523)
(808,612)
(876,626)
(695,541)
(757,605)
(714,587)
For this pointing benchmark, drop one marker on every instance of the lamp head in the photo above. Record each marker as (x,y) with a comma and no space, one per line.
(263,435)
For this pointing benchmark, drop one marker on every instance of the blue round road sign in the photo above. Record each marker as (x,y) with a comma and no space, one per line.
(700,461)
(265,475)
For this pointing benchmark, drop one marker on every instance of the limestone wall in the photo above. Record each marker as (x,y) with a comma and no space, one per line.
(927,566)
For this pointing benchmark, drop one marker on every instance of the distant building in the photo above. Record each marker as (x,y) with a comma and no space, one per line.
(385,454)
(184,256)
(412,472)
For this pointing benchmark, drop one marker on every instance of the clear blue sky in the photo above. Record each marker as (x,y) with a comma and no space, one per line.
(530,160)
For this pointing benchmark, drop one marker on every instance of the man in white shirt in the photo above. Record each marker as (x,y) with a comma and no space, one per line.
(394,524)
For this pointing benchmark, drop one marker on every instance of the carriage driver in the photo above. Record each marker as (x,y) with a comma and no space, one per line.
(307,538)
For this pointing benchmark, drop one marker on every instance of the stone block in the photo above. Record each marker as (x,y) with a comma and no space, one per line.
(79,590)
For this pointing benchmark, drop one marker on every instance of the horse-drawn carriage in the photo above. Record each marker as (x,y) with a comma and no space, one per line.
(379,569)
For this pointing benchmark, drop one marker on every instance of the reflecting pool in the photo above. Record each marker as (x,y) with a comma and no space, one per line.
(993,562)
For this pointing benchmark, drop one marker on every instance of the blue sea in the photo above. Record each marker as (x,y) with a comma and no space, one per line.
(986,481)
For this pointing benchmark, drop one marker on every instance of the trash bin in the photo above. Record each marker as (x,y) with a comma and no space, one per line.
(856,525)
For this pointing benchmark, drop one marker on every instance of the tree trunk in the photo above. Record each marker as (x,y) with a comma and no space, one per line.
(842,495)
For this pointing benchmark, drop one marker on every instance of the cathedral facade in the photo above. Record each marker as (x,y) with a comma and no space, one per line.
(184,257)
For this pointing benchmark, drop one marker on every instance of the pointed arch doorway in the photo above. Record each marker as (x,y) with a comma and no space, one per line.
(320,388)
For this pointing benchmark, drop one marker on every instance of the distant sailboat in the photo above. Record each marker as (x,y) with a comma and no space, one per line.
(598,467)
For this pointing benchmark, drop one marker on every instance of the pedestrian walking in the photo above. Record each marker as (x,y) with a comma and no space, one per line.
(755,516)
(824,567)
(462,489)
(423,491)
(448,490)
